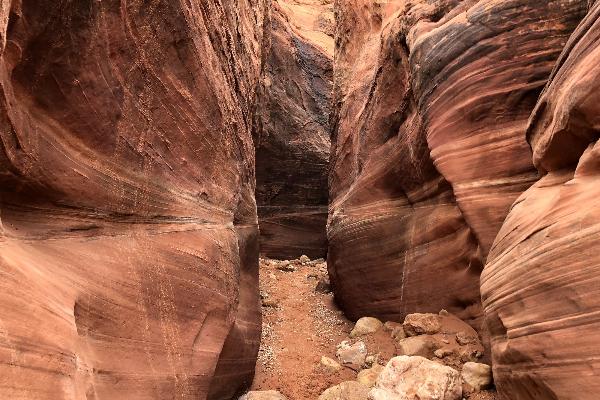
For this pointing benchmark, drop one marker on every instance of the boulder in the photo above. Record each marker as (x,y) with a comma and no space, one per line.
(477,376)
(329,364)
(410,378)
(353,355)
(423,346)
(421,324)
(365,326)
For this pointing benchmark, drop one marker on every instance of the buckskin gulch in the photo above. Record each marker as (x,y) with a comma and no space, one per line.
(299,199)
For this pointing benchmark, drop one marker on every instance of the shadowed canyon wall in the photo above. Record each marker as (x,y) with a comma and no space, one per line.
(128,236)
(431,102)
(292,130)
(541,286)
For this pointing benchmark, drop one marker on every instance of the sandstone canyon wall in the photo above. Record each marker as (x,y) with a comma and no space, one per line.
(541,285)
(431,102)
(128,236)
(292,130)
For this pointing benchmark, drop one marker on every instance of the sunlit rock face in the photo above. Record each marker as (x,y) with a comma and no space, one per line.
(541,285)
(128,237)
(431,102)
(292,130)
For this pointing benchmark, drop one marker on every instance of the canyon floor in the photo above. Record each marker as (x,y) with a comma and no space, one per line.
(301,324)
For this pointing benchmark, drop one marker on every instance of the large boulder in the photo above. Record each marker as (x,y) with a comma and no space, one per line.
(541,284)
(128,234)
(432,100)
(292,131)
(409,378)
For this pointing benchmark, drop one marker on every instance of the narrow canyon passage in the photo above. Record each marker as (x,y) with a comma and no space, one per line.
(299,199)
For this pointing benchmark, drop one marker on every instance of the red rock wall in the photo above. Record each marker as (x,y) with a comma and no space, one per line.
(292,131)
(128,237)
(429,151)
(541,285)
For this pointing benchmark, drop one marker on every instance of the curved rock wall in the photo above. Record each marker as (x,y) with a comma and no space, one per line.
(128,237)
(292,131)
(432,100)
(541,286)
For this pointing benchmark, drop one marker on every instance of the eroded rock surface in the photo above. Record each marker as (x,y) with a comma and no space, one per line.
(128,238)
(431,103)
(292,130)
(541,285)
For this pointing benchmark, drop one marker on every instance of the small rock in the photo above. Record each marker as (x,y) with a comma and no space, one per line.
(286,267)
(477,376)
(441,353)
(422,324)
(368,377)
(323,286)
(443,313)
(365,326)
(349,390)
(409,378)
(272,275)
(423,346)
(372,359)
(312,275)
(330,365)
(352,355)
(263,395)
(304,259)
(269,303)
(464,338)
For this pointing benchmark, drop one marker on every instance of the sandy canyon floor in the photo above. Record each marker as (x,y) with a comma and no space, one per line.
(301,324)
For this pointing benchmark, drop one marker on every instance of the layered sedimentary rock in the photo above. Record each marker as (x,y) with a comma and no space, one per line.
(432,100)
(292,130)
(128,237)
(541,286)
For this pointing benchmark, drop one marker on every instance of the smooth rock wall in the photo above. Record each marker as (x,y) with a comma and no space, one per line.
(128,236)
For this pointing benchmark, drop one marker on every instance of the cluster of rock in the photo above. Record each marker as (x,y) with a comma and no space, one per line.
(438,357)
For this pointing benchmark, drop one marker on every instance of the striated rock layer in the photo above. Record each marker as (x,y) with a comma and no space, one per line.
(541,285)
(128,236)
(428,151)
(292,131)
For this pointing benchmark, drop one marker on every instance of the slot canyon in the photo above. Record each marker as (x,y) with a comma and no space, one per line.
(299,199)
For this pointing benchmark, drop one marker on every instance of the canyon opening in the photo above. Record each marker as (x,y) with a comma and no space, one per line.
(299,199)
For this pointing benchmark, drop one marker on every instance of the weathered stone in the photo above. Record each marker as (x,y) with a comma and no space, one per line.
(421,324)
(410,378)
(477,376)
(423,346)
(368,377)
(329,364)
(365,326)
(353,355)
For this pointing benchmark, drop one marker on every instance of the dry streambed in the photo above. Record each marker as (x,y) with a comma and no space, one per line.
(309,350)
